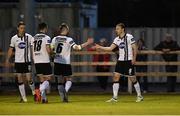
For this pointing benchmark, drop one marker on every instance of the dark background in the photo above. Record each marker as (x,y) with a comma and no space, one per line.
(134,13)
(139,13)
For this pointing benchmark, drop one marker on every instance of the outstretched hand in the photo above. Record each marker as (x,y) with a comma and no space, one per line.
(96,47)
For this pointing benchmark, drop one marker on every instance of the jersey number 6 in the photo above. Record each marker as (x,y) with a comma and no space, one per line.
(59,48)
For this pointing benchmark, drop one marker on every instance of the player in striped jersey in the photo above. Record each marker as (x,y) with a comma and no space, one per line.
(125,64)
(41,51)
(62,46)
(21,43)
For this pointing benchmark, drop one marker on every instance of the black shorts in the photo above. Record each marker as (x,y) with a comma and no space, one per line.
(22,67)
(43,68)
(62,69)
(125,68)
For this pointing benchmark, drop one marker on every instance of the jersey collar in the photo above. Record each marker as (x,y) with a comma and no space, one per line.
(122,37)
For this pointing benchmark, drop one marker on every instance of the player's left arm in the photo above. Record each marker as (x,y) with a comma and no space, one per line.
(134,52)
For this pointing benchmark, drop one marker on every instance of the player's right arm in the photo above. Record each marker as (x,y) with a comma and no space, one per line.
(10,52)
(9,55)
(110,48)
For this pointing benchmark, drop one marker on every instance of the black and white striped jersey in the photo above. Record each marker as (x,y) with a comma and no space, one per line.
(125,48)
(22,47)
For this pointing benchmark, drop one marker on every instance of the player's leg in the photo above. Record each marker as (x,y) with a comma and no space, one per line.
(59,70)
(21,87)
(27,70)
(43,87)
(47,73)
(137,88)
(118,71)
(61,88)
(130,73)
(67,73)
(115,87)
(20,69)
(48,90)
(44,77)
(30,83)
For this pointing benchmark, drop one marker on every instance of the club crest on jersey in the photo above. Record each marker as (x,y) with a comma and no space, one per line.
(22,45)
(122,45)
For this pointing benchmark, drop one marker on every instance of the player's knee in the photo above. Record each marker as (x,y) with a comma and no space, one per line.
(68,79)
(114,82)
(20,83)
(134,82)
(42,88)
(116,77)
(60,79)
(133,79)
(20,80)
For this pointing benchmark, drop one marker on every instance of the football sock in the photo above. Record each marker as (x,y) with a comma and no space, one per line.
(115,89)
(22,90)
(32,86)
(137,88)
(43,87)
(61,91)
(68,85)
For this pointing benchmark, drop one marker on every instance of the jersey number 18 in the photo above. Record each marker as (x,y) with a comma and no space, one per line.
(37,45)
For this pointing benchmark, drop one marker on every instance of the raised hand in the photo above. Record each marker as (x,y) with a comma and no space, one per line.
(97,46)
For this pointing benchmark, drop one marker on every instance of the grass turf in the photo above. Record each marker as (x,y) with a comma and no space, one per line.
(94,105)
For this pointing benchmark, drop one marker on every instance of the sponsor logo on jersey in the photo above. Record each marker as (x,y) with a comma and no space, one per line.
(132,39)
(122,45)
(22,45)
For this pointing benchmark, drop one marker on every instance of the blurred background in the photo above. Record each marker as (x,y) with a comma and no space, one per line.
(147,19)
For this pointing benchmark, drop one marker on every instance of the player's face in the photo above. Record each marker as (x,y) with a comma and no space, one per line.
(21,29)
(66,31)
(119,30)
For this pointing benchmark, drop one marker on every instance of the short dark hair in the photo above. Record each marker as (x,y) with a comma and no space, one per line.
(122,25)
(42,26)
(20,23)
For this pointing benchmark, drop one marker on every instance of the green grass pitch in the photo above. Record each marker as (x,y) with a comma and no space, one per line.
(159,104)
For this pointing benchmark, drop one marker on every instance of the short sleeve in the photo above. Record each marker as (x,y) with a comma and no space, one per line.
(12,44)
(48,40)
(132,40)
(115,42)
(71,42)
